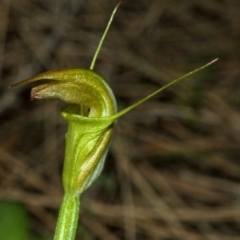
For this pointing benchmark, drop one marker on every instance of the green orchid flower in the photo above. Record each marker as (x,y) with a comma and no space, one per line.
(91,114)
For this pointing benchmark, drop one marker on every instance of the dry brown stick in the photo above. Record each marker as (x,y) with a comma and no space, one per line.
(159,204)
(46,200)
(126,190)
(211,187)
(5,6)
(98,229)
(42,214)
(27,174)
(159,182)
(186,214)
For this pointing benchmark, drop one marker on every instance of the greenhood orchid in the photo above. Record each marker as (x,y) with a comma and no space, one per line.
(91,114)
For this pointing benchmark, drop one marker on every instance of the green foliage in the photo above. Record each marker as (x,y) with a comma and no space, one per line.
(14,221)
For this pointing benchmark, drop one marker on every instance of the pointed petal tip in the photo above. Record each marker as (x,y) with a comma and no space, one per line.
(213,61)
(54,75)
(15,85)
(21,83)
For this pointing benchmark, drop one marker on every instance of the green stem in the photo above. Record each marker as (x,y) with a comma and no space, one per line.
(68,218)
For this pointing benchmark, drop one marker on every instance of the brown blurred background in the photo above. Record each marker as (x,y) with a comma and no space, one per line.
(173,170)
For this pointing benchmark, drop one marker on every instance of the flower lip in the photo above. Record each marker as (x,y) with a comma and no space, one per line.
(37,92)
